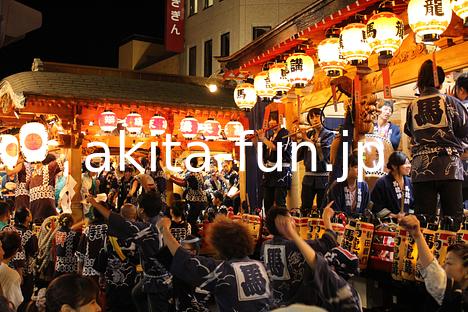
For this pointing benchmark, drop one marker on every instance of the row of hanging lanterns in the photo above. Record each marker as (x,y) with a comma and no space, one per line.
(190,127)
(383,34)
(133,122)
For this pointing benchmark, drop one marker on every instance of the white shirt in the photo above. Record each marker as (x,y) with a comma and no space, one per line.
(10,281)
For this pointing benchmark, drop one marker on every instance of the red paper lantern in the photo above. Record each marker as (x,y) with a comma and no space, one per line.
(107,121)
(189,127)
(9,150)
(233,130)
(211,129)
(134,122)
(157,125)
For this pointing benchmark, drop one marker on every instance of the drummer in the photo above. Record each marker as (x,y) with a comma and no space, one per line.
(385,128)
(393,193)
(350,196)
(315,182)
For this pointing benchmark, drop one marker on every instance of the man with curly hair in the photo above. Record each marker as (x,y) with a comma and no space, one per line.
(237,282)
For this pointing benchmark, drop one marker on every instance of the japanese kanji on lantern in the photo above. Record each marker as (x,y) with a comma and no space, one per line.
(460,7)
(189,127)
(157,125)
(9,150)
(245,96)
(385,33)
(329,57)
(233,130)
(353,43)
(263,87)
(134,122)
(211,129)
(300,68)
(429,18)
(278,78)
(107,121)
(33,142)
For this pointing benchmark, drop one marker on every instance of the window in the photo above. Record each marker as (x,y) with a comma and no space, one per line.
(225,44)
(208,58)
(193,7)
(260,30)
(192,61)
(208,3)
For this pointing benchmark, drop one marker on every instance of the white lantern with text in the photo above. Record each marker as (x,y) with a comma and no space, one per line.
(33,142)
(9,150)
(134,123)
(107,121)
(245,96)
(385,33)
(353,43)
(263,87)
(233,130)
(329,57)
(157,125)
(429,18)
(300,69)
(211,129)
(460,7)
(278,78)
(189,127)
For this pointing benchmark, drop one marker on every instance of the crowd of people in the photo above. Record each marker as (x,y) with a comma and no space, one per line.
(139,249)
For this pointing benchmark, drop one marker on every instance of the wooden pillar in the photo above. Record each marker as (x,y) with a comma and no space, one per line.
(292,119)
(74,162)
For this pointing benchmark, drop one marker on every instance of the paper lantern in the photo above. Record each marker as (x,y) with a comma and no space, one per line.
(9,150)
(189,127)
(429,18)
(460,7)
(278,78)
(353,43)
(329,57)
(233,130)
(157,125)
(263,87)
(33,142)
(211,129)
(107,121)
(384,33)
(300,69)
(134,122)
(245,96)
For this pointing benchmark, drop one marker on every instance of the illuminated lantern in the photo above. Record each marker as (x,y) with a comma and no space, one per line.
(278,78)
(429,19)
(157,125)
(233,130)
(9,150)
(300,69)
(245,96)
(329,57)
(353,43)
(211,129)
(189,127)
(460,7)
(107,121)
(263,87)
(384,33)
(134,122)
(33,142)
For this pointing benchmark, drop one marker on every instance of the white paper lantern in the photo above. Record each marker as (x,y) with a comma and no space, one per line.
(300,69)
(353,43)
(429,18)
(263,87)
(233,130)
(329,57)
(245,96)
(9,150)
(134,122)
(385,33)
(189,127)
(107,121)
(278,78)
(157,125)
(33,142)
(211,129)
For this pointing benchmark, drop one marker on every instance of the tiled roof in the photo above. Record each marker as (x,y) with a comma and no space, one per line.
(114,88)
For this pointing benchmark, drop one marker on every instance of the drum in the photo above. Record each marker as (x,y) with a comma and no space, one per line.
(254,223)
(302,227)
(316,228)
(363,242)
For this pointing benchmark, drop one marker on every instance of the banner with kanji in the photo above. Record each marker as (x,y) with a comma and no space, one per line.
(174,38)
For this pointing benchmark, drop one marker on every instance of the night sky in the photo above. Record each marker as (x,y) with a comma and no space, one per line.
(82,32)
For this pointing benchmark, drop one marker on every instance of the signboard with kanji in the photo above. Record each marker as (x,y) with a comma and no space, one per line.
(174,37)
